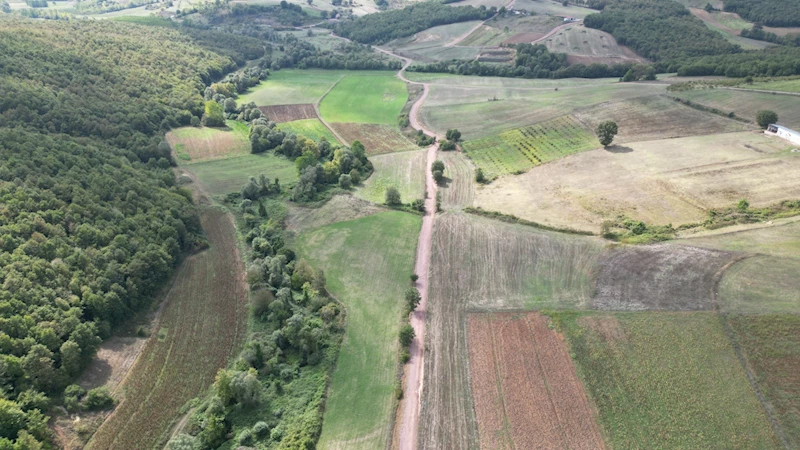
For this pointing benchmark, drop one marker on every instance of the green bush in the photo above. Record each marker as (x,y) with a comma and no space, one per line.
(97,399)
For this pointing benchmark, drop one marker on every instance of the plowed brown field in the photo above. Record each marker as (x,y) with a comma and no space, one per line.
(288,113)
(526,391)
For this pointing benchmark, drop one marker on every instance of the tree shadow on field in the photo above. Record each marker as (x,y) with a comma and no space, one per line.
(618,149)
(445,182)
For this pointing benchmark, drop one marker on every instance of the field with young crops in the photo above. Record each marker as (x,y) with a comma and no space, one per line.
(518,150)
(310,128)
(367,263)
(229,175)
(206,303)
(290,86)
(405,171)
(747,104)
(372,97)
(289,113)
(771,346)
(761,284)
(195,144)
(377,139)
(525,388)
(666,380)
(660,182)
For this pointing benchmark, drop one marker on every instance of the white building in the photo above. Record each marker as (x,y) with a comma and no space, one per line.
(785,133)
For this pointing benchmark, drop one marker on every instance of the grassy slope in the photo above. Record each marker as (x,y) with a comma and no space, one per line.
(229,175)
(781,240)
(367,263)
(782,85)
(664,380)
(405,171)
(286,87)
(365,99)
(310,128)
(762,284)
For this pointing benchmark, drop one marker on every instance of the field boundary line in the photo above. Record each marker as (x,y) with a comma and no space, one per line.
(762,91)
(776,427)
(319,115)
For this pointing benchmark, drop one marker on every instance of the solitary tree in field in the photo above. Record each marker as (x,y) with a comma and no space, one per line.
(606,132)
(392,196)
(438,171)
(766,117)
(453,135)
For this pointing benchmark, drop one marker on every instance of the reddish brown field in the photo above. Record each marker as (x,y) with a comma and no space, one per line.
(288,113)
(377,139)
(526,391)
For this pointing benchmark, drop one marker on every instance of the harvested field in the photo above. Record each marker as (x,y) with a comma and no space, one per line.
(377,139)
(310,128)
(525,28)
(780,85)
(518,150)
(525,388)
(659,277)
(458,190)
(659,182)
(666,381)
(340,208)
(229,175)
(587,46)
(482,264)
(553,8)
(761,284)
(747,104)
(484,36)
(771,347)
(778,240)
(432,45)
(405,171)
(192,144)
(201,326)
(290,86)
(289,113)
(656,117)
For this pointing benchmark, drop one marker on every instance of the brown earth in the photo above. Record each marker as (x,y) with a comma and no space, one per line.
(659,277)
(526,391)
(377,139)
(288,113)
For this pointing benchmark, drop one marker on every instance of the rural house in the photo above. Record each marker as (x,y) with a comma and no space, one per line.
(785,133)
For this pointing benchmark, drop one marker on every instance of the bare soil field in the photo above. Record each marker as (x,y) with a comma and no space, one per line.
(289,113)
(202,325)
(340,208)
(659,277)
(665,181)
(527,394)
(587,46)
(377,139)
(656,117)
(458,189)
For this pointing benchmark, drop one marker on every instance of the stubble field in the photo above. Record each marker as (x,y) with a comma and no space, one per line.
(747,104)
(193,144)
(289,113)
(377,139)
(587,46)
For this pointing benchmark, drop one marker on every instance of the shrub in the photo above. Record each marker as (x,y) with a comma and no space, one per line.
(765,118)
(406,335)
(345,181)
(97,399)
(392,196)
(260,429)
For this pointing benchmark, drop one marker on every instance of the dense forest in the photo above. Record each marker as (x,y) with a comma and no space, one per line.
(296,53)
(757,32)
(661,31)
(91,222)
(778,61)
(383,27)
(772,13)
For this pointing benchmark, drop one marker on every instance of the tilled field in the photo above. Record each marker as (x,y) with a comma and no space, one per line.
(201,325)
(377,139)
(288,113)
(527,394)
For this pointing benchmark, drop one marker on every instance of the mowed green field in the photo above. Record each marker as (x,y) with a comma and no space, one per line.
(404,170)
(779,85)
(310,128)
(518,150)
(771,345)
(288,86)
(666,381)
(367,263)
(762,284)
(229,175)
(369,98)
(747,104)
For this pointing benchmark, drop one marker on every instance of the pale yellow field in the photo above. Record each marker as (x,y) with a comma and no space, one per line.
(667,181)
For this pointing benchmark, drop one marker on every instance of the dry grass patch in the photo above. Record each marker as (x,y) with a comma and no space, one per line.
(587,45)
(526,391)
(405,171)
(747,104)
(192,144)
(458,189)
(288,113)
(377,139)
(777,240)
(340,208)
(761,284)
(656,117)
(660,182)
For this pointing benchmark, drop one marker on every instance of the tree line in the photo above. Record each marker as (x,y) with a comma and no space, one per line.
(772,13)
(92,223)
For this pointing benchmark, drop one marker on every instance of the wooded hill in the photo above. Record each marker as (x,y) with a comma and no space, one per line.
(91,222)
(772,13)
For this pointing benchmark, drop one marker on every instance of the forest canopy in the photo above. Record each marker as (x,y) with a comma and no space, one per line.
(772,13)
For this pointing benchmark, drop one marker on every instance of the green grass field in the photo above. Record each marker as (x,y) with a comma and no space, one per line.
(368,98)
(229,175)
(666,381)
(771,345)
(518,150)
(310,128)
(287,87)
(762,284)
(196,144)
(367,263)
(783,240)
(747,104)
(779,85)
(404,170)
